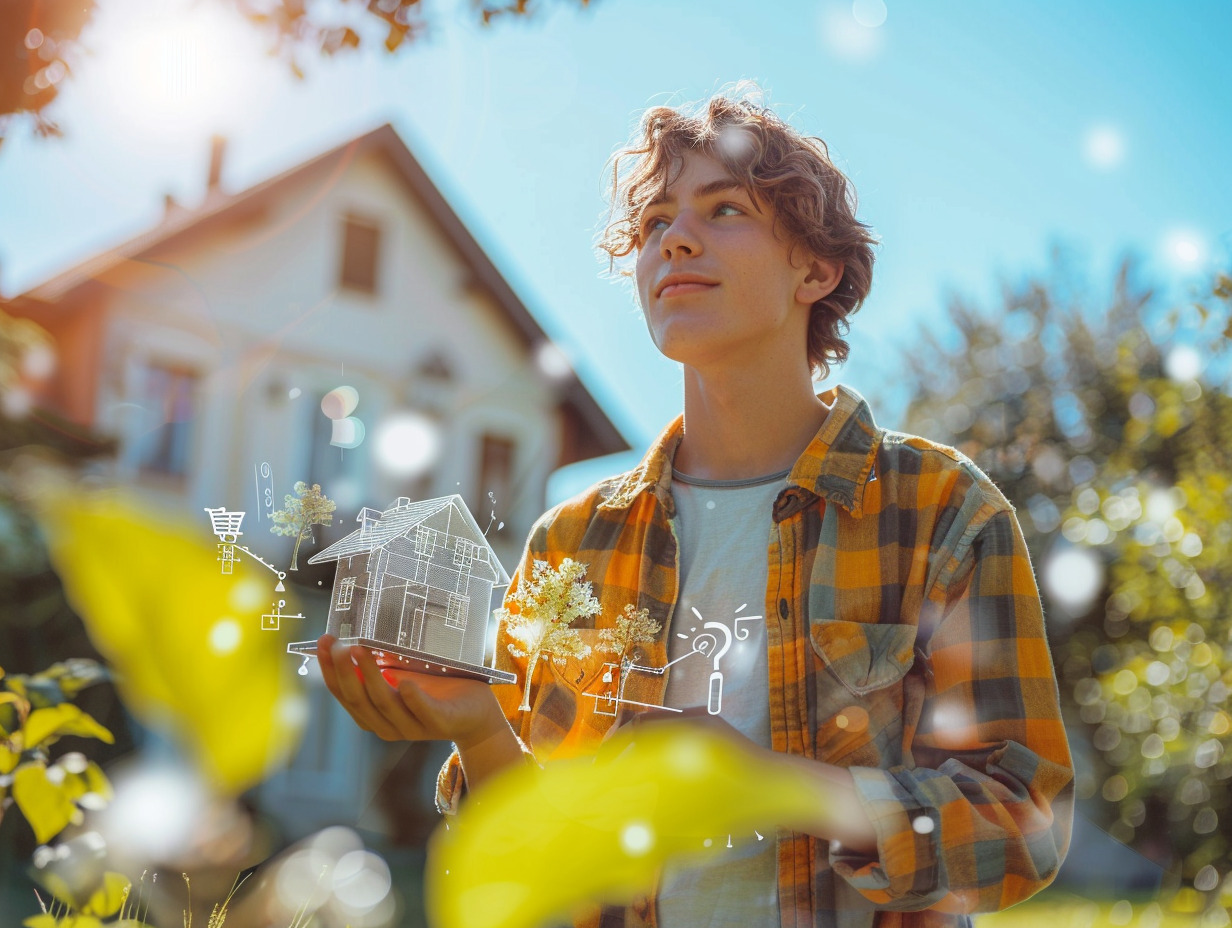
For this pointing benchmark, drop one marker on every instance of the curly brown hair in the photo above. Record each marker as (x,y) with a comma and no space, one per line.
(811,199)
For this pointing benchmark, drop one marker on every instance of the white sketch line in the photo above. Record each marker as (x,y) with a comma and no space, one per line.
(281,574)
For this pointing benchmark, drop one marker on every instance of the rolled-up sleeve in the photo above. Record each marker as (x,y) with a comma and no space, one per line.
(450,781)
(980,818)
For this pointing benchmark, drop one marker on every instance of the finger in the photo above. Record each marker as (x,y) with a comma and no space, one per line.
(397,718)
(353,694)
(325,660)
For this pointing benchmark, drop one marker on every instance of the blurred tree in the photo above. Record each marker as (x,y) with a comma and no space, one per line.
(39,39)
(1109,427)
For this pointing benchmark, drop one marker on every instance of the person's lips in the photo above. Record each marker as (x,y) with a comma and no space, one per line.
(682,284)
(681,289)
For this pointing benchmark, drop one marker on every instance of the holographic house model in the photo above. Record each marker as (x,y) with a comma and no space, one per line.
(415,583)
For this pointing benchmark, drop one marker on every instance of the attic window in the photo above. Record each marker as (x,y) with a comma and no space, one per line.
(455,615)
(426,540)
(361,246)
(464,553)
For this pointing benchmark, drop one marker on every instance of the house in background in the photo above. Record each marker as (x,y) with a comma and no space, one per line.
(418,577)
(205,346)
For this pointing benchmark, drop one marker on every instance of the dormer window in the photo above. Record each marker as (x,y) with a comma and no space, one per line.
(361,246)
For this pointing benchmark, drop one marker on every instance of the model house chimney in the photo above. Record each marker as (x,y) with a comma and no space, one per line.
(218,145)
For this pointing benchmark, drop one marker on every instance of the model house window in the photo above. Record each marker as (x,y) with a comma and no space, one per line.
(361,246)
(167,395)
(495,476)
(346,589)
(464,553)
(426,540)
(455,615)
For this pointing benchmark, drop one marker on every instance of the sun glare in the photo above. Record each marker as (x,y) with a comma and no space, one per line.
(172,70)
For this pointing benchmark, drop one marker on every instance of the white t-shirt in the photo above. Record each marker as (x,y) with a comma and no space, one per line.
(717,659)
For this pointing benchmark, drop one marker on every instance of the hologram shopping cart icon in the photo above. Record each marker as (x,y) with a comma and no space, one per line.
(416,584)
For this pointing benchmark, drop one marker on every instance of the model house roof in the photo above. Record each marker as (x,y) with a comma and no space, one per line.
(377,529)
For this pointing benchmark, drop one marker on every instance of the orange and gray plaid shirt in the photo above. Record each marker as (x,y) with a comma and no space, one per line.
(905,643)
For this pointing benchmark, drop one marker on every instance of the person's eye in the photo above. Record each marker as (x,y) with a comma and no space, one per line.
(732,206)
(650,225)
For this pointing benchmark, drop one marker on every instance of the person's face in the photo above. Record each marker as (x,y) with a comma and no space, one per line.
(714,280)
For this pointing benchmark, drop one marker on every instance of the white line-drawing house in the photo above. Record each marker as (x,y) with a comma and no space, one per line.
(418,576)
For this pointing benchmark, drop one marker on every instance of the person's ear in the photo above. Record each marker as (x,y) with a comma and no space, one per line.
(823,277)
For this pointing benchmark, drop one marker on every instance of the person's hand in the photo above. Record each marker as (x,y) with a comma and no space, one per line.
(408,706)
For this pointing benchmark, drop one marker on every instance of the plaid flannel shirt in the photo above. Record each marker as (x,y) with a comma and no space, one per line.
(905,643)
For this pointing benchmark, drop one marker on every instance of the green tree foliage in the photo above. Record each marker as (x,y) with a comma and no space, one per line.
(40,39)
(307,508)
(1108,425)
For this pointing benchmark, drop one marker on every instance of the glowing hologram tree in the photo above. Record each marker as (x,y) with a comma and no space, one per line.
(539,614)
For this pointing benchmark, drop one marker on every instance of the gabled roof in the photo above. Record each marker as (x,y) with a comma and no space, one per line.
(219,207)
(379,529)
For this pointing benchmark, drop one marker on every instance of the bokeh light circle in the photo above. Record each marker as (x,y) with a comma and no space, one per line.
(407,444)
(869,13)
(225,636)
(340,402)
(636,839)
(361,880)
(1104,147)
(1073,578)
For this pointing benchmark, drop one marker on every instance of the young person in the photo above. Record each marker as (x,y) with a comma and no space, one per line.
(872,611)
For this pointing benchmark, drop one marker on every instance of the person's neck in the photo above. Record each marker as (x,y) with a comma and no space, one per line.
(745,422)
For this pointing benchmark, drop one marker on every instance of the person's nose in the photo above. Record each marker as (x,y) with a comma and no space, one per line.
(681,237)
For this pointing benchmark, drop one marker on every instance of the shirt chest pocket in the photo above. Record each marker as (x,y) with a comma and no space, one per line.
(568,704)
(857,691)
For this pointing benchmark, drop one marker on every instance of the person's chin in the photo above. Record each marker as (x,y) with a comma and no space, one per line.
(692,345)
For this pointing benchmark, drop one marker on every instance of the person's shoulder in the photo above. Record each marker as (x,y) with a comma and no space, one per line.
(938,470)
(563,524)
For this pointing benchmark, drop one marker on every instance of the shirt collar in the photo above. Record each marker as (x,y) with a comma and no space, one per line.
(836,465)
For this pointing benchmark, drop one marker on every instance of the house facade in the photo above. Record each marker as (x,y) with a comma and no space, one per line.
(205,346)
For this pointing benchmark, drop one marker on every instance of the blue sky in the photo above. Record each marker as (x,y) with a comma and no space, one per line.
(976,134)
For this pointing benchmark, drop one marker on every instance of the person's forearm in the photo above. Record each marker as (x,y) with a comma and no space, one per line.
(490,753)
(840,814)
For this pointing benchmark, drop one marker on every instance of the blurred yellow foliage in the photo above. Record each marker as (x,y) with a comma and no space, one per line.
(533,845)
(184,641)
(109,899)
(33,717)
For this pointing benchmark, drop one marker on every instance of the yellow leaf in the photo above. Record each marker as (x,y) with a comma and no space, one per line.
(108,898)
(44,804)
(184,640)
(532,845)
(13,699)
(57,721)
(8,758)
(90,780)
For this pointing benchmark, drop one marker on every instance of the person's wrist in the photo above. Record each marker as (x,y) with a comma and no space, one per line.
(490,726)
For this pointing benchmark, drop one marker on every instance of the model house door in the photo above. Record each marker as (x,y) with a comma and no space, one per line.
(411,624)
